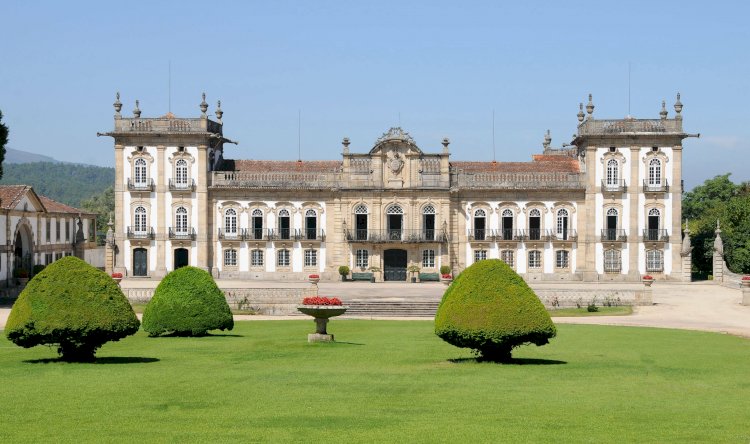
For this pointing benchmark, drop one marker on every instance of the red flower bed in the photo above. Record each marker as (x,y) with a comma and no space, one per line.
(746,278)
(117,275)
(648,278)
(313,276)
(317,300)
(447,276)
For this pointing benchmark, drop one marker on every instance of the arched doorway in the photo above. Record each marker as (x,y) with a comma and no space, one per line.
(394,265)
(180,258)
(23,247)
(140,262)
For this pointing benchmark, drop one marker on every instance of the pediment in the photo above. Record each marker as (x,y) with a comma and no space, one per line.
(395,140)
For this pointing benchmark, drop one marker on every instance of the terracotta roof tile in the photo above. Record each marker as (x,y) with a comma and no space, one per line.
(54,206)
(322,166)
(10,195)
(540,164)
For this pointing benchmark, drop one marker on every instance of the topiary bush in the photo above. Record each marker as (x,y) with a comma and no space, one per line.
(187,302)
(74,305)
(489,308)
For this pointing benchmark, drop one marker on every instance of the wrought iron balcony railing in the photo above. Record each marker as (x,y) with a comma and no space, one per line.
(535,234)
(612,235)
(148,185)
(309,234)
(655,235)
(662,187)
(508,234)
(238,234)
(259,234)
(480,235)
(140,233)
(181,233)
(182,186)
(565,235)
(614,187)
(404,235)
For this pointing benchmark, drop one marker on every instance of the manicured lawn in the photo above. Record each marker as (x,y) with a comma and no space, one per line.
(622,310)
(385,381)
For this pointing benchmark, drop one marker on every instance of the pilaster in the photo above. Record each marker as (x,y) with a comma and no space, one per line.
(160,211)
(121,216)
(205,214)
(635,205)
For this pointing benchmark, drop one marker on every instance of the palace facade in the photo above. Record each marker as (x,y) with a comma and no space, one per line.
(608,207)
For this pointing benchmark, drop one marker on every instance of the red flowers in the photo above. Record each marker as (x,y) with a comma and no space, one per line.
(317,300)
(117,275)
(746,278)
(447,276)
(313,276)
(648,278)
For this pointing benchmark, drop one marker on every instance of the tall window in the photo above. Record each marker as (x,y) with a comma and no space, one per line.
(480,222)
(360,222)
(652,230)
(508,257)
(613,172)
(611,224)
(181,220)
(230,257)
(362,258)
(67,230)
(282,258)
(535,224)
(428,224)
(140,172)
(428,258)
(230,222)
(57,225)
(654,172)
(562,224)
(181,173)
(284,224)
(561,258)
(49,228)
(654,260)
(256,258)
(535,259)
(139,221)
(311,224)
(257,224)
(480,255)
(395,219)
(507,225)
(311,258)
(612,261)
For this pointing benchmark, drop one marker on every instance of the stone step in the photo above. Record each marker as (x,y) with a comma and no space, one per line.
(392,308)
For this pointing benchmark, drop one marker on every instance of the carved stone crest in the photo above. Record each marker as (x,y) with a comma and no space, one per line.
(395,162)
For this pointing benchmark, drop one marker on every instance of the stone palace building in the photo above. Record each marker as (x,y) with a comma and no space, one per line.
(608,207)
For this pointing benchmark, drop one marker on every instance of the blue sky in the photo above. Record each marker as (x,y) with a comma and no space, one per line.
(353,68)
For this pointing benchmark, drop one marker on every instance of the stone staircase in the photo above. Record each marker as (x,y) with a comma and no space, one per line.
(392,308)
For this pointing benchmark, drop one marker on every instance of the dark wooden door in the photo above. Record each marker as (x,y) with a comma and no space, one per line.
(394,265)
(140,262)
(180,258)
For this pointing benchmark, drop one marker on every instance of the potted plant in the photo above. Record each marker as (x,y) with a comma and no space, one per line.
(648,280)
(36,269)
(313,278)
(344,272)
(22,276)
(745,282)
(374,270)
(117,276)
(322,309)
(413,269)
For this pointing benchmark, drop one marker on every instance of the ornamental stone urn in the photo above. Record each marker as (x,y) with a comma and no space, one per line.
(321,313)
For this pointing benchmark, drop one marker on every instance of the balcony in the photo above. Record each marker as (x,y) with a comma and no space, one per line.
(140,233)
(662,187)
(238,235)
(400,236)
(310,234)
(617,187)
(182,233)
(655,235)
(610,235)
(481,235)
(259,234)
(509,235)
(181,186)
(569,235)
(535,234)
(148,185)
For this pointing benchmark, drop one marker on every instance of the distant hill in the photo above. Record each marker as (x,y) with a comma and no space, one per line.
(18,156)
(68,183)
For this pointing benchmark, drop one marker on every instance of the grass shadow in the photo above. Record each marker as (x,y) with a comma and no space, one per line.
(513,361)
(348,343)
(105,360)
(207,335)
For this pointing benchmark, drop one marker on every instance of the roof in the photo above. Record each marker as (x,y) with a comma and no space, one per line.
(11,195)
(54,206)
(272,166)
(541,164)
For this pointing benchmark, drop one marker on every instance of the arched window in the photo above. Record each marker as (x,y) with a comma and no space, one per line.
(181,220)
(257,224)
(360,222)
(140,172)
(613,172)
(654,172)
(562,224)
(506,224)
(181,173)
(140,221)
(535,224)
(311,224)
(395,220)
(480,225)
(285,226)
(394,209)
(230,222)
(653,224)
(360,209)
(428,222)
(610,230)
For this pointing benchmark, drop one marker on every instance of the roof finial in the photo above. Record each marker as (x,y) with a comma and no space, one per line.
(218,111)
(663,113)
(547,140)
(345,142)
(137,111)
(446,142)
(590,106)
(204,106)
(117,104)
(580,112)
(678,108)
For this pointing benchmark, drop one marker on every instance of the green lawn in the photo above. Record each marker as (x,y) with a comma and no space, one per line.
(385,381)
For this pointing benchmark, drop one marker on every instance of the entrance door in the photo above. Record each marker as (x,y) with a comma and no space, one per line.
(394,265)
(180,258)
(140,262)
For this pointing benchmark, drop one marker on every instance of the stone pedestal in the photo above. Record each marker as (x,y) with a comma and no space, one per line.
(647,297)
(319,337)
(745,287)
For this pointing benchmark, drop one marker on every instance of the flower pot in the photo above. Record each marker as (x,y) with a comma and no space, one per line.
(321,313)
(22,282)
(314,281)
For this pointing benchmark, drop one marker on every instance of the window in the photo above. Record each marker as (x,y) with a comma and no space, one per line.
(395,218)
(140,172)
(139,220)
(428,258)
(180,220)
(230,222)
(535,259)
(561,258)
(360,222)
(562,224)
(507,225)
(57,229)
(181,173)
(480,255)
(256,258)
(48,258)
(535,224)
(284,224)
(613,172)
(311,258)
(652,230)
(67,231)
(311,224)
(257,224)
(654,260)
(480,218)
(612,261)
(611,225)
(428,222)
(362,258)
(49,226)
(282,258)
(230,257)
(654,172)
(507,256)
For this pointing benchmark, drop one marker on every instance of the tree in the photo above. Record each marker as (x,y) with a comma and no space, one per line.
(3,142)
(490,309)
(187,302)
(103,205)
(73,305)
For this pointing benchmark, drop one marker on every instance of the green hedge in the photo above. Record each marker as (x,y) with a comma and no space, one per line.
(489,308)
(187,302)
(73,305)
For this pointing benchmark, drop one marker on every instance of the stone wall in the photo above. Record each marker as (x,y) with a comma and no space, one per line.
(559,298)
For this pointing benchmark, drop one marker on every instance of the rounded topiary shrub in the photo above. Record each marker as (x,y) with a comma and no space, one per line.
(187,302)
(74,305)
(489,308)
